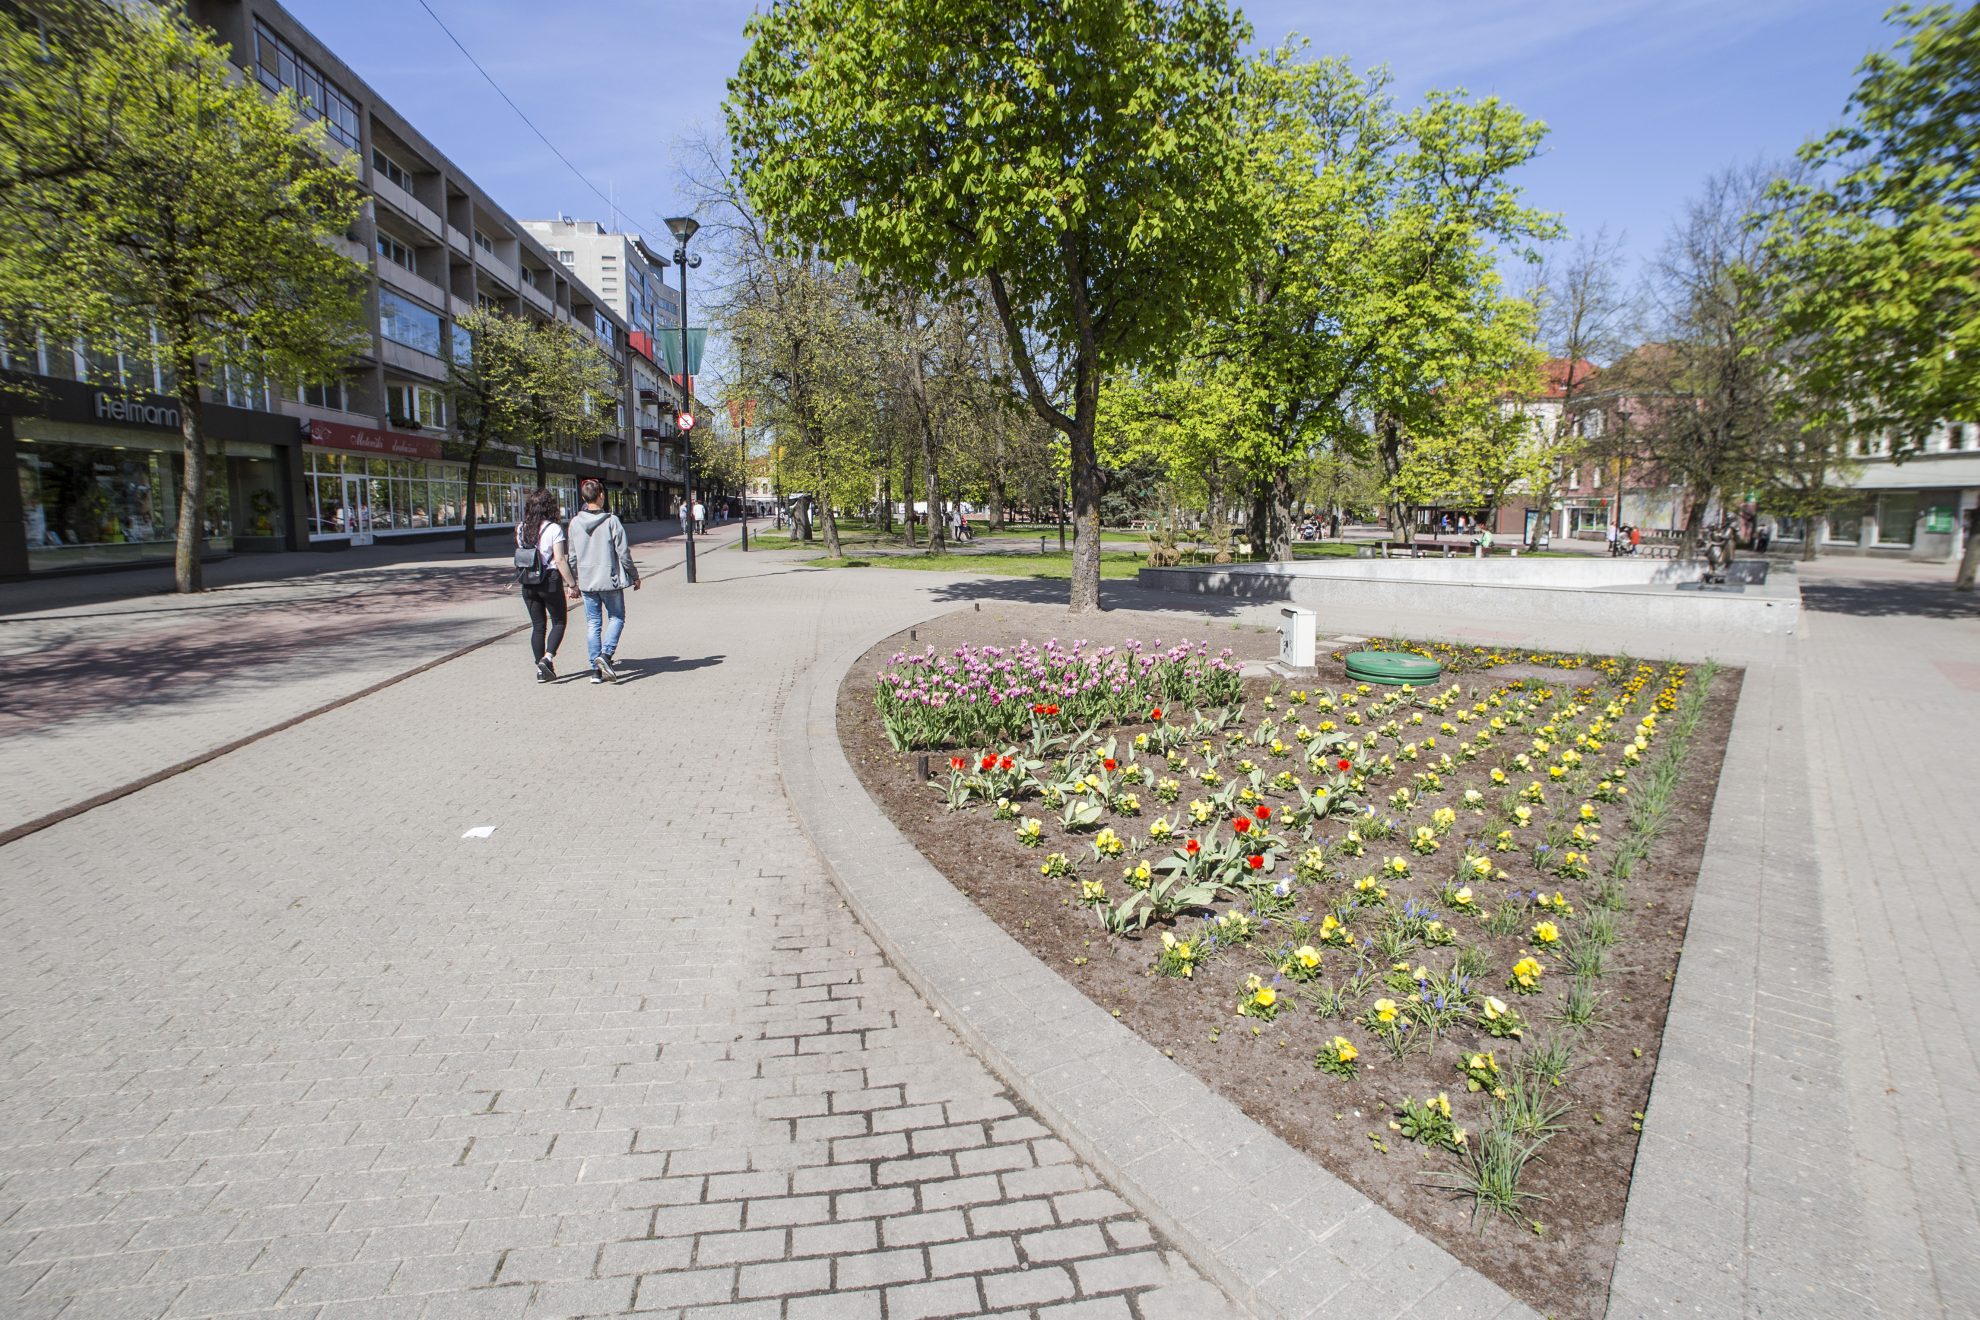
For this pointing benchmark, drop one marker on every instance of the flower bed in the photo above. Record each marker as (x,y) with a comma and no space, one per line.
(1426,936)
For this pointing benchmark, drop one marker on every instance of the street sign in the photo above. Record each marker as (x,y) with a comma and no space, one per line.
(684,420)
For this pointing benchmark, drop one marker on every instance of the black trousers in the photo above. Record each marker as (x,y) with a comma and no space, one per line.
(547,615)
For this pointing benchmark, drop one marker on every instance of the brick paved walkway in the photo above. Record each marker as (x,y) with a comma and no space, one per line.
(275,1037)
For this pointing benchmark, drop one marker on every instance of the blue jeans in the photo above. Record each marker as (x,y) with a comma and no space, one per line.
(603,611)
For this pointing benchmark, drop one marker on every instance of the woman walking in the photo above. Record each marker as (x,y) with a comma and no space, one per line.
(545,601)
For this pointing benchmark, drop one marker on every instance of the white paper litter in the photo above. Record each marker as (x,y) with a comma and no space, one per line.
(479,832)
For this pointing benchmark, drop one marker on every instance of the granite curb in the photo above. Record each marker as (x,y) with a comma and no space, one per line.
(1281,1235)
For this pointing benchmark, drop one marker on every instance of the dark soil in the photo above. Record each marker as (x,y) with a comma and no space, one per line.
(1583,1173)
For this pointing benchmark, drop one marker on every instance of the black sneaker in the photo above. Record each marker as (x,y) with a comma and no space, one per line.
(545,671)
(605,668)
(596,676)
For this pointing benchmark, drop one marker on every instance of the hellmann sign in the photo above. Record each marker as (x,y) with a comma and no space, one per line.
(136,410)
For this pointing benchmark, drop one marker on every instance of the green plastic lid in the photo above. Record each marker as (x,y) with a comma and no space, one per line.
(1392,667)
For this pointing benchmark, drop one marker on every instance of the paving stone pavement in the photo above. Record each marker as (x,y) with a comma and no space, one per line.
(275,1038)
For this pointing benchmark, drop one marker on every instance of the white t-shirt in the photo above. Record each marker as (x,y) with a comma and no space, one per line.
(547,542)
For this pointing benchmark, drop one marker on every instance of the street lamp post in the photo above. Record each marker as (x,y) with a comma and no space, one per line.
(682,227)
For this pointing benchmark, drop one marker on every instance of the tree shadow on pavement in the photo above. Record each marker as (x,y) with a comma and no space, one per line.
(1890,598)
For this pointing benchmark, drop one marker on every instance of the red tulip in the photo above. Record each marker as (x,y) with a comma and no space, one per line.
(1192,847)
(1155,714)
(988,763)
(1256,862)
(957,763)
(1004,764)
(1263,813)
(1241,825)
(1343,764)
(1111,764)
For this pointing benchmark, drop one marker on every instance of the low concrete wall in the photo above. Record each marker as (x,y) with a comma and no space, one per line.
(1648,598)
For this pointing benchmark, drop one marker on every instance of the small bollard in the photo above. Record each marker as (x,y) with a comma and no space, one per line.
(921,765)
(1041,545)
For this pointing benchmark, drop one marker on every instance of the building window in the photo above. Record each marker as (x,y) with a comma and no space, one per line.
(394,251)
(416,403)
(483,242)
(605,328)
(566,256)
(327,395)
(391,169)
(405,322)
(279,66)
(1955,436)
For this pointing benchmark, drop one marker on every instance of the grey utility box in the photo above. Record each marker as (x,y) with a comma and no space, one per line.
(1298,634)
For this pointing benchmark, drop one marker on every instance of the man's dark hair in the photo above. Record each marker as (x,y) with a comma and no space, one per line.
(591,488)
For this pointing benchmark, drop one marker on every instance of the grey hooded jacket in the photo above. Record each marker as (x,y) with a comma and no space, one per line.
(599,553)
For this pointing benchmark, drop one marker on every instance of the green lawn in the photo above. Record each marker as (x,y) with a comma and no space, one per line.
(1004,563)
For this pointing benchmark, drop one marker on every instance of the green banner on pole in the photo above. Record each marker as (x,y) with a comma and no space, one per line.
(669,344)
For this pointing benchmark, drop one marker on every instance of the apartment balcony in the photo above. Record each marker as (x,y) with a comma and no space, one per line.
(459,242)
(398,277)
(407,205)
(651,433)
(650,465)
(503,273)
(649,398)
(411,360)
(536,297)
(349,247)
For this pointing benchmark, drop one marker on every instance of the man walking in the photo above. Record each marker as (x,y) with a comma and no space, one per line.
(700,518)
(605,568)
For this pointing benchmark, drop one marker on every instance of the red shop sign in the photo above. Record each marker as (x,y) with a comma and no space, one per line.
(364,440)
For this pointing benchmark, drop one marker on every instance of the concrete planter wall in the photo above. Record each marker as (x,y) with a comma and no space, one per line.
(1621,593)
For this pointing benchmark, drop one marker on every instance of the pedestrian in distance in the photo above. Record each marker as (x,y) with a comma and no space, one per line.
(1635,539)
(543,569)
(604,563)
(700,518)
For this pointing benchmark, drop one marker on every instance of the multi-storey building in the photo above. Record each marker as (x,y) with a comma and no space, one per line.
(1918,505)
(630,276)
(320,464)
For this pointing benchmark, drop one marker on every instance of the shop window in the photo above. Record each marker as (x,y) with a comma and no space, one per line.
(1846,521)
(1897,518)
(107,504)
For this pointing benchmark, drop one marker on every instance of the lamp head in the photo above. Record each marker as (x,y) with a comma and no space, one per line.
(682,227)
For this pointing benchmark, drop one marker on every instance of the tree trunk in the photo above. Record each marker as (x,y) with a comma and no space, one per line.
(1969,561)
(473,474)
(542,477)
(1282,515)
(907,493)
(886,503)
(188,574)
(1811,541)
(1260,530)
(1388,445)
(997,480)
(1694,522)
(1086,490)
(830,526)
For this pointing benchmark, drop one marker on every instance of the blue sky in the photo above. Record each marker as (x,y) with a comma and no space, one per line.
(1644,97)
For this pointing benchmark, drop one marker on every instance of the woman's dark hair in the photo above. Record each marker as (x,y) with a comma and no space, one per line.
(539,508)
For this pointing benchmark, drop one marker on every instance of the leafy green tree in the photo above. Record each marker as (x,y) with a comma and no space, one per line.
(1080,158)
(153,196)
(489,386)
(1875,270)
(524,383)
(1373,290)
